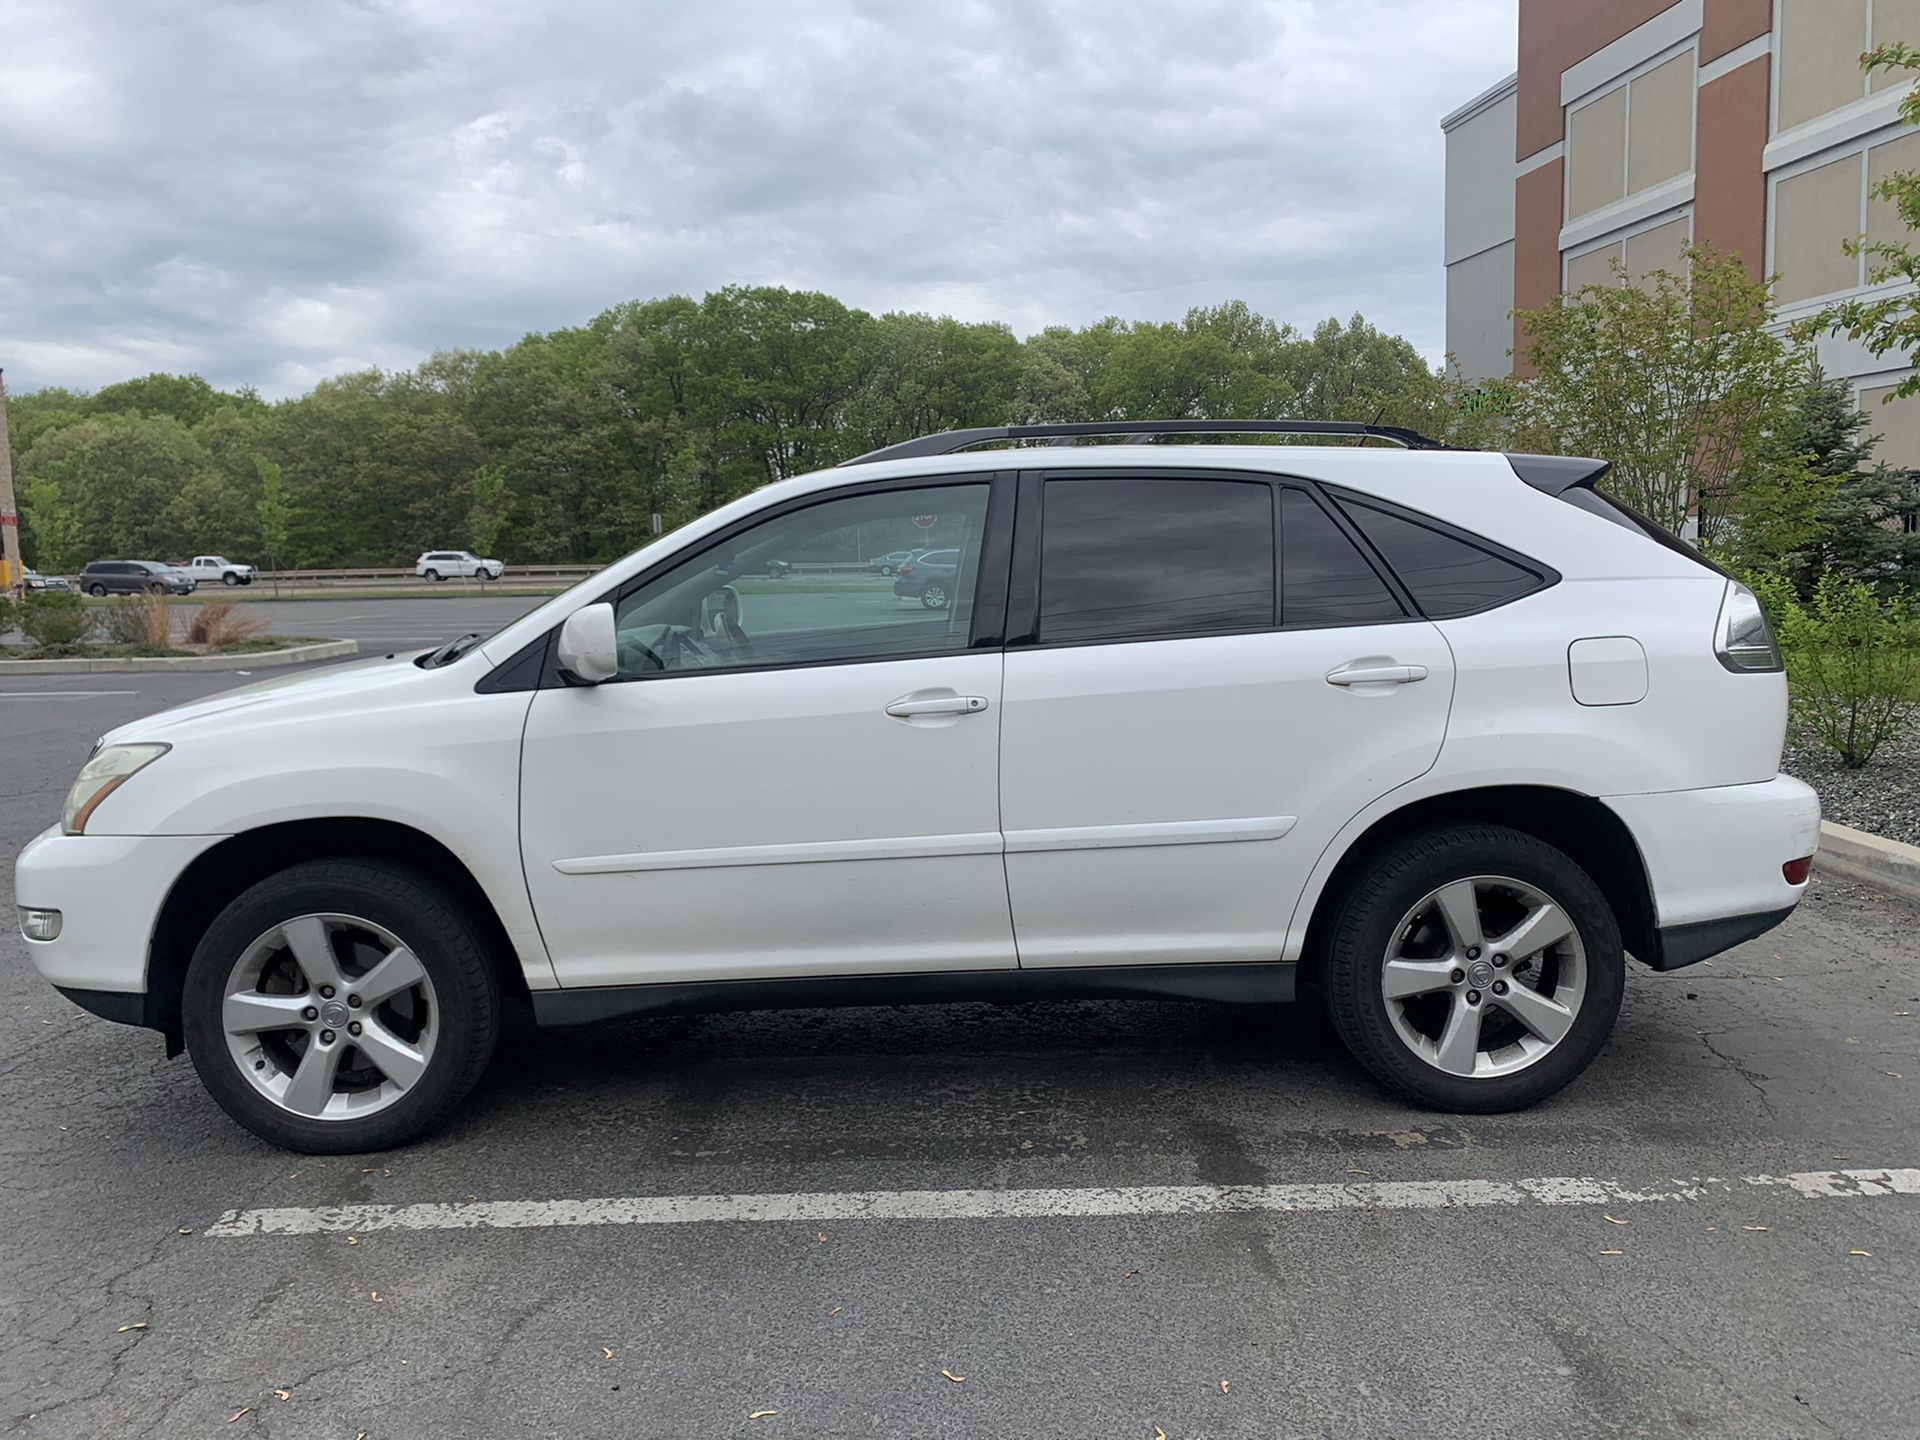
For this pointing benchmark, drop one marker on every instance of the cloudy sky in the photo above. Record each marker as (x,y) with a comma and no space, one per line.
(271,191)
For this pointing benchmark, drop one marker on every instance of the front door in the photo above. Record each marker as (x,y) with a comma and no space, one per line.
(1209,679)
(795,771)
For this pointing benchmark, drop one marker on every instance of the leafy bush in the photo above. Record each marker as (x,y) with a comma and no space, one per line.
(220,622)
(53,621)
(1853,662)
(124,622)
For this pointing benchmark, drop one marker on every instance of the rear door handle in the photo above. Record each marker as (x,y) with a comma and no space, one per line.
(1377,675)
(906,709)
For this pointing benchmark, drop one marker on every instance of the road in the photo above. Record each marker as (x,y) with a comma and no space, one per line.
(1737,1307)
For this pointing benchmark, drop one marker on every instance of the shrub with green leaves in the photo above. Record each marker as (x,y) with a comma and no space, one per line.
(54,621)
(1853,661)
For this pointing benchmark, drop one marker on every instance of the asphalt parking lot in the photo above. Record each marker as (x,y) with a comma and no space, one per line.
(1067,1219)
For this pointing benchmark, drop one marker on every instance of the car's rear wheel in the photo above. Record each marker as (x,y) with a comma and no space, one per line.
(432,574)
(1474,969)
(341,1006)
(934,597)
(97,590)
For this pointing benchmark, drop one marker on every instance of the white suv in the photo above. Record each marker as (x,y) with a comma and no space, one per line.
(1438,737)
(459,564)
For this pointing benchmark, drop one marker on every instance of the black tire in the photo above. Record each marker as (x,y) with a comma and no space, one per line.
(886,569)
(246,579)
(156,588)
(433,574)
(97,590)
(229,578)
(934,597)
(1393,882)
(430,922)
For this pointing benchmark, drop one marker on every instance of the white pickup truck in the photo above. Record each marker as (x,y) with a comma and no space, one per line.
(208,568)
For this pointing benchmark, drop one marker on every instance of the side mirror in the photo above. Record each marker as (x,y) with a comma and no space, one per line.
(588,651)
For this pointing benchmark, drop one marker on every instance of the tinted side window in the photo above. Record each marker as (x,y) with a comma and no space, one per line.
(1327,580)
(1134,559)
(1446,575)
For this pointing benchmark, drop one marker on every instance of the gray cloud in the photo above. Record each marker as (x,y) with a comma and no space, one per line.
(270,191)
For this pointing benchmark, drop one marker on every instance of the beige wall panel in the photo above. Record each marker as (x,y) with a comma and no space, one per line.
(1895,20)
(1902,155)
(1813,216)
(1662,248)
(1660,124)
(1897,425)
(1596,154)
(1595,268)
(1820,44)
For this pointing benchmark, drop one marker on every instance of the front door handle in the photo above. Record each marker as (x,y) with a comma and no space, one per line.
(906,708)
(1377,675)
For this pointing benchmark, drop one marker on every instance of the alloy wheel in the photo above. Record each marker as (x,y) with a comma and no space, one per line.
(1484,976)
(330,1016)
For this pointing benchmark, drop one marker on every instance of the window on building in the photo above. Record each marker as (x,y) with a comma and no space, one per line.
(1897,423)
(1814,214)
(1631,138)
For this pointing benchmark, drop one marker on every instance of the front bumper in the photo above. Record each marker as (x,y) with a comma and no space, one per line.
(108,890)
(1714,860)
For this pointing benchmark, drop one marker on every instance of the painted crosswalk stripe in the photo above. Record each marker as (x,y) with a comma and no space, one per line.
(1061,1204)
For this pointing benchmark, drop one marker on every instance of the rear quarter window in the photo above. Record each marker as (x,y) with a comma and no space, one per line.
(1446,572)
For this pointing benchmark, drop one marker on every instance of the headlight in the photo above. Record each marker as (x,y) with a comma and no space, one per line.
(100,777)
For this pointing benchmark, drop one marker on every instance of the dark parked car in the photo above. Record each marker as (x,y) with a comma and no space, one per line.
(43,584)
(887,564)
(135,577)
(929,577)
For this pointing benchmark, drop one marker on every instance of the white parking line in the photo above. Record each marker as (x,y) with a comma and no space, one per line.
(1073,1204)
(60,694)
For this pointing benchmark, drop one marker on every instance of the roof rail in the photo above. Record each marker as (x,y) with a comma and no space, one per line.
(951,442)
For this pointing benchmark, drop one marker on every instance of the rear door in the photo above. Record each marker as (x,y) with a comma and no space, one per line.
(1206,677)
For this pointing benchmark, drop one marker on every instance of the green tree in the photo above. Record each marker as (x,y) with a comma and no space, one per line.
(1677,381)
(271,509)
(116,477)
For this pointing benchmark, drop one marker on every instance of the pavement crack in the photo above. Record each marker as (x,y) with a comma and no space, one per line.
(1752,1078)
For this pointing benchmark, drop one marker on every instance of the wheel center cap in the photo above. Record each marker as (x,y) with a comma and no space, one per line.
(1481,974)
(333,1014)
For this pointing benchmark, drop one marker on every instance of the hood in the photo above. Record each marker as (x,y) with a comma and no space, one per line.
(261,701)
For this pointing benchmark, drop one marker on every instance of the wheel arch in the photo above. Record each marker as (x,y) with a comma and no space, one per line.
(217,876)
(1583,828)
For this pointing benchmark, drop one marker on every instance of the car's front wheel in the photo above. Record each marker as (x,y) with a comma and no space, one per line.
(229,578)
(1474,968)
(341,1006)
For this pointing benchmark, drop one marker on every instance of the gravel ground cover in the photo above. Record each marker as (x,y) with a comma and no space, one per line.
(1882,798)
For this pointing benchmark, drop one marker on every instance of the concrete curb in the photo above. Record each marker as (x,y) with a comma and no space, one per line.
(261,660)
(1856,855)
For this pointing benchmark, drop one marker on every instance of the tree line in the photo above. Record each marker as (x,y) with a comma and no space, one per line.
(561,448)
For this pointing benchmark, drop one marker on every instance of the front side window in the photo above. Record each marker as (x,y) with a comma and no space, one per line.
(797,589)
(1150,558)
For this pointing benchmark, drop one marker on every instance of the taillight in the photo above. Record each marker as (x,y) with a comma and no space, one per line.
(1742,639)
(906,569)
(1795,872)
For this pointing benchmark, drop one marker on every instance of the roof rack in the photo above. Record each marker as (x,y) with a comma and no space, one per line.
(951,442)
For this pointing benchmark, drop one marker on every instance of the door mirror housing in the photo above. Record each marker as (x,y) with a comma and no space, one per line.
(588,651)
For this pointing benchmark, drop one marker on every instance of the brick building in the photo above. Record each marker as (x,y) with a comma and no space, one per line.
(1634,126)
